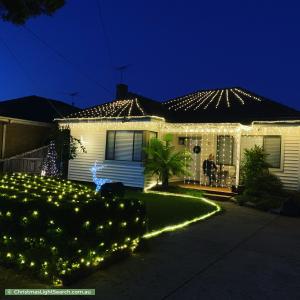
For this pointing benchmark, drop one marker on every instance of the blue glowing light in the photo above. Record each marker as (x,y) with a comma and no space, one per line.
(98,181)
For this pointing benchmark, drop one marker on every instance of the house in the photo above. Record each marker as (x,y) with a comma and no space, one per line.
(25,123)
(222,122)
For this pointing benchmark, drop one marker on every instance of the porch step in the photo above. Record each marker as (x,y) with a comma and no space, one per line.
(217,192)
(218,196)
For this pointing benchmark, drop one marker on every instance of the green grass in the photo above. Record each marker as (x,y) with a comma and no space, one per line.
(169,210)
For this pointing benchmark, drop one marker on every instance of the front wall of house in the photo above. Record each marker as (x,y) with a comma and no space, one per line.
(132,173)
(290,174)
(93,137)
(289,171)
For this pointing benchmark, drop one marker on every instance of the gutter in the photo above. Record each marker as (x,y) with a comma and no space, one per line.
(7,120)
(116,119)
(283,122)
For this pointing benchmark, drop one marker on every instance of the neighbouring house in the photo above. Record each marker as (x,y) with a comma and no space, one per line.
(25,127)
(222,122)
(25,123)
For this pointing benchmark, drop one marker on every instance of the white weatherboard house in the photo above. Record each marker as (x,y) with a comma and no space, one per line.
(222,122)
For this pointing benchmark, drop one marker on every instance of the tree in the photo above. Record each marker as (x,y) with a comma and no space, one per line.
(19,11)
(67,147)
(49,167)
(163,161)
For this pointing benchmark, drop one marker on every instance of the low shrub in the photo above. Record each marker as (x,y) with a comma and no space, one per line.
(263,189)
(58,230)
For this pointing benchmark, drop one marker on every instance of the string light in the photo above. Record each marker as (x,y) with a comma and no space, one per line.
(51,264)
(203,99)
(175,227)
(115,108)
(49,167)
(98,181)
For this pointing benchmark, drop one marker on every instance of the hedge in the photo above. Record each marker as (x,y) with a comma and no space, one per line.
(58,230)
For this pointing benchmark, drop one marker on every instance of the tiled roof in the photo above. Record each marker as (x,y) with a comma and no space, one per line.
(132,105)
(35,108)
(229,105)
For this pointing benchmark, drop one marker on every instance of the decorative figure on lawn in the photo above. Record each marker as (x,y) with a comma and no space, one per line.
(49,167)
(98,181)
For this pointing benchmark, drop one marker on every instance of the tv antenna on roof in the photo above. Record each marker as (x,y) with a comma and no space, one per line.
(122,69)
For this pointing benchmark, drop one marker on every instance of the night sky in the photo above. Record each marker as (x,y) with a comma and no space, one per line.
(172,48)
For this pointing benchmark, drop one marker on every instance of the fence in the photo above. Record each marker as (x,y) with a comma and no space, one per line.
(29,162)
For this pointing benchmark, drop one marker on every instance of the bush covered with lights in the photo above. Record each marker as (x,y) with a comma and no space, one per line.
(58,230)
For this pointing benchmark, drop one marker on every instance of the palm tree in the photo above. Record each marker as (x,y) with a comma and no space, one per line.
(163,161)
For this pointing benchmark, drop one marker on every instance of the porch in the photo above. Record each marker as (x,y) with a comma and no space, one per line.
(210,192)
(220,143)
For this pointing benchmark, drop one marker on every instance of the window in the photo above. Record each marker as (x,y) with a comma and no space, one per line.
(110,144)
(137,145)
(126,145)
(272,146)
(225,150)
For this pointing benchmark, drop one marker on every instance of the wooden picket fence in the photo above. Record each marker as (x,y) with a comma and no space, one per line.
(28,162)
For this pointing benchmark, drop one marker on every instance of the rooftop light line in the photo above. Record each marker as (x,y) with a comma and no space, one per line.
(203,100)
(195,100)
(138,106)
(187,99)
(239,97)
(227,98)
(211,100)
(221,94)
(130,108)
(124,108)
(246,94)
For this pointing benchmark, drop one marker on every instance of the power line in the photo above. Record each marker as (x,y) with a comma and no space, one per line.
(28,76)
(106,37)
(16,59)
(59,54)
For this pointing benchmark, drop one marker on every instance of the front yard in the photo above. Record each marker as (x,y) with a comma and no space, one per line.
(175,207)
(55,230)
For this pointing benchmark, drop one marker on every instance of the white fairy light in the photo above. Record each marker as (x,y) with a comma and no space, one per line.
(227,98)
(98,181)
(211,100)
(209,94)
(239,97)
(248,95)
(221,94)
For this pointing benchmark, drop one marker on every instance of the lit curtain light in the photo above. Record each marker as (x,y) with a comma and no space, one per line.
(196,158)
(201,159)
(228,183)
(185,146)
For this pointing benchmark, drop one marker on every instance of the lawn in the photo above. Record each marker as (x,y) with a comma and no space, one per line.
(165,210)
(31,205)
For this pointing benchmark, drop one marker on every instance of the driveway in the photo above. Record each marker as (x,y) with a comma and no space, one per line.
(241,254)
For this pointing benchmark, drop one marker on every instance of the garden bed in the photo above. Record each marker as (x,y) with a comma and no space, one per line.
(57,230)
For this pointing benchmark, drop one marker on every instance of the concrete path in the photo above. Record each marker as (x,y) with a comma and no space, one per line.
(241,254)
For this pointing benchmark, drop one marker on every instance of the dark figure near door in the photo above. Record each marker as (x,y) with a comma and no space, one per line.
(210,168)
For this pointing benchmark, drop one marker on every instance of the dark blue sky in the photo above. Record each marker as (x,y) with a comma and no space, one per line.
(173,48)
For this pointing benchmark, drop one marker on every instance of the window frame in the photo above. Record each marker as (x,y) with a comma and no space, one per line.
(232,150)
(133,144)
(145,134)
(280,150)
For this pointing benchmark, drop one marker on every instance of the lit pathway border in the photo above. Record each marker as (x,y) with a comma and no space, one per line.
(185,223)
